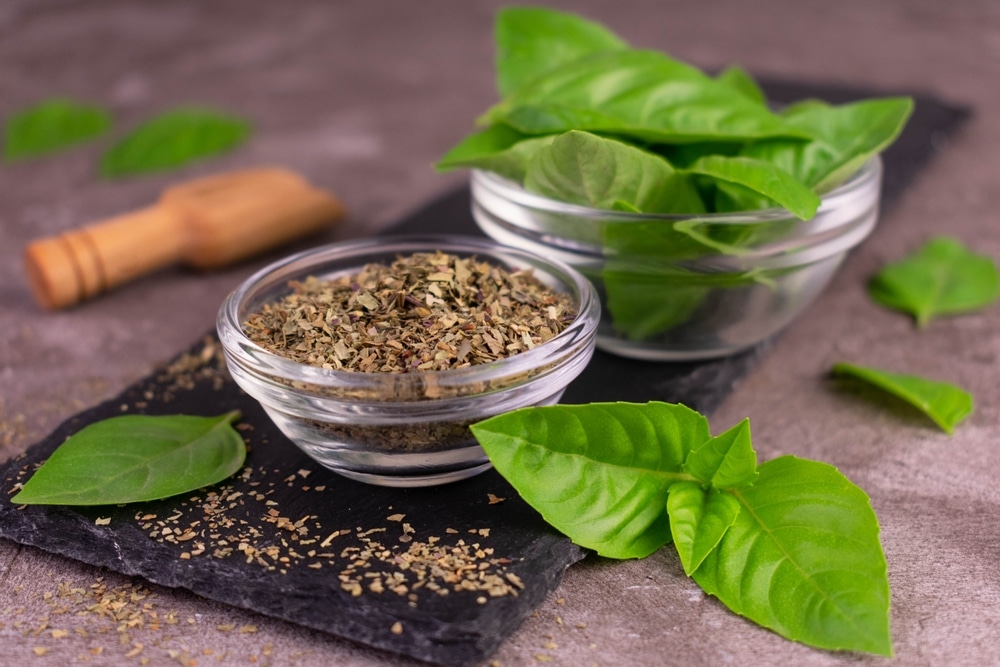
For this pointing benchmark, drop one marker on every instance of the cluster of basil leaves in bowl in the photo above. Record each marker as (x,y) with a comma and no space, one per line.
(706,217)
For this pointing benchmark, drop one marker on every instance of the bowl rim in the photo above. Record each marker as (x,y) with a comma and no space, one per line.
(866,175)
(237,344)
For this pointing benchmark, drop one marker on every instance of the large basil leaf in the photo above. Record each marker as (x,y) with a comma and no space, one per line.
(763,178)
(533,40)
(641,95)
(941,278)
(946,404)
(843,138)
(51,126)
(699,518)
(582,168)
(499,148)
(598,473)
(739,79)
(803,558)
(173,139)
(134,458)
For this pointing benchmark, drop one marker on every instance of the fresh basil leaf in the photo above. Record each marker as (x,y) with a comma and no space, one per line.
(51,126)
(844,138)
(642,95)
(946,404)
(726,461)
(762,177)
(173,139)
(683,155)
(941,278)
(533,40)
(598,473)
(647,301)
(740,80)
(644,305)
(498,148)
(135,458)
(699,518)
(582,168)
(803,558)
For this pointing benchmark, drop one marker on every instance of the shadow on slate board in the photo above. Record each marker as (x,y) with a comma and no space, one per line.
(455,629)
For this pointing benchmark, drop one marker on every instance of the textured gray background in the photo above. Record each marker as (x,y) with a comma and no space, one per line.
(362,98)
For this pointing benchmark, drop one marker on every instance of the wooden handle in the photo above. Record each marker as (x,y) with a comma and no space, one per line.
(80,264)
(207,223)
(239,215)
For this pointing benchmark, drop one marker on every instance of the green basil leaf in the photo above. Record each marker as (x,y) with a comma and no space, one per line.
(803,558)
(699,518)
(173,139)
(135,458)
(643,305)
(726,461)
(645,301)
(498,148)
(844,138)
(941,278)
(762,177)
(641,95)
(740,80)
(51,126)
(533,40)
(582,168)
(946,404)
(598,473)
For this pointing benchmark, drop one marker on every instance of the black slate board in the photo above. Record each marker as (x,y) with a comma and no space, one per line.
(452,630)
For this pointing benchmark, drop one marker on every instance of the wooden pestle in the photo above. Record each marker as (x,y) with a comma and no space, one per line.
(207,223)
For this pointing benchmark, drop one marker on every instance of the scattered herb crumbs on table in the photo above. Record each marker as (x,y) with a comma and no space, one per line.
(111,620)
(425,311)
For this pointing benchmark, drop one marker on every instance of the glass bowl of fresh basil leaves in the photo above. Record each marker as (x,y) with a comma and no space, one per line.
(706,215)
(374,356)
(687,287)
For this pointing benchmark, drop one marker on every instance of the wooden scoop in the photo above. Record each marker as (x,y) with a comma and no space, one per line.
(207,223)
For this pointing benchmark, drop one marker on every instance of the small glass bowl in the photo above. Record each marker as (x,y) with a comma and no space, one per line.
(401,429)
(687,287)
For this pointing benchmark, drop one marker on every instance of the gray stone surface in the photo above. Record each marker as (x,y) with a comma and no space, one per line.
(362,97)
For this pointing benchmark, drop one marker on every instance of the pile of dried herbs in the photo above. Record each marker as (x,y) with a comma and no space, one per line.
(425,311)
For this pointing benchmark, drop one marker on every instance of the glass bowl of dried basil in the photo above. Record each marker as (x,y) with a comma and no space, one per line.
(374,356)
(679,287)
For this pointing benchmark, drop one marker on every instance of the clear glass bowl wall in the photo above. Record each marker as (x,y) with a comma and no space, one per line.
(687,287)
(401,429)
